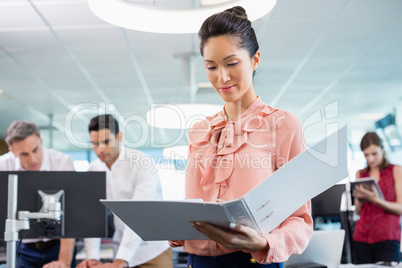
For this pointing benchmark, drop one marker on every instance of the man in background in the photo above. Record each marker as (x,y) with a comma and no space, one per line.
(26,153)
(126,178)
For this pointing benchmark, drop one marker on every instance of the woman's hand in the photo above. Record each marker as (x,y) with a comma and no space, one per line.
(238,237)
(176,243)
(363,193)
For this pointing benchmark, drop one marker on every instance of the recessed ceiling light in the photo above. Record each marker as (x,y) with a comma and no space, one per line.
(212,2)
(156,19)
(1,91)
(180,116)
(176,152)
(373,116)
(204,85)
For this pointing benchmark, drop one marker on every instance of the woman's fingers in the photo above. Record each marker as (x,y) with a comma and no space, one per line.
(236,237)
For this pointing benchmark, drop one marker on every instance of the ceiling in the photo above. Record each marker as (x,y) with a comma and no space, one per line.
(60,65)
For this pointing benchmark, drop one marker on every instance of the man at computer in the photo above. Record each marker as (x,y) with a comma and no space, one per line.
(26,153)
(130,174)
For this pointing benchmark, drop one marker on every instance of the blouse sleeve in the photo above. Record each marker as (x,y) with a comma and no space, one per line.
(292,235)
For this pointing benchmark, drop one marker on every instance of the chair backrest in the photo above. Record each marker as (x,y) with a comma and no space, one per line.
(324,248)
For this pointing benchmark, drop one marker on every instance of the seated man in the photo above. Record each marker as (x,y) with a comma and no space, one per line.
(27,153)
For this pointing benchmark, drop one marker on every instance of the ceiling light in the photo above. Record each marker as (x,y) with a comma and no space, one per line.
(205,85)
(1,91)
(180,116)
(212,2)
(155,19)
(373,116)
(176,152)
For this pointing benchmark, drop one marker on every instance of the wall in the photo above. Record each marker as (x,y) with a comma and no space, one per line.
(3,147)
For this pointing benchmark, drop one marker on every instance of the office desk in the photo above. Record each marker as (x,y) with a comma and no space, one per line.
(3,257)
(369,265)
(106,253)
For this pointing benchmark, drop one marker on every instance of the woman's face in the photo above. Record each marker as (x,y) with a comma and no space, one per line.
(374,155)
(229,68)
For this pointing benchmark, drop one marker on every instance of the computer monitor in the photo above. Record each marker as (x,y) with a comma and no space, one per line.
(84,216)
(328,203)
(325,248)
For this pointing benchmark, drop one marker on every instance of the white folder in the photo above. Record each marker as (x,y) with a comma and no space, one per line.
(263,208)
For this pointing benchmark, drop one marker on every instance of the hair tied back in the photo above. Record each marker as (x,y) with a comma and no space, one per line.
(238,11)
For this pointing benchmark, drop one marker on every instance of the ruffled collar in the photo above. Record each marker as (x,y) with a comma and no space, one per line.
(220,139)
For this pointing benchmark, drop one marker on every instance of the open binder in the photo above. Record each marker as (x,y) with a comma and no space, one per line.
(262,208)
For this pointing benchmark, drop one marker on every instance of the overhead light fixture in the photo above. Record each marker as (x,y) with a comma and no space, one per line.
(180,116)
(205,85)
(1,91)
(212,2)
(156,19)
(176,152)
(373,116)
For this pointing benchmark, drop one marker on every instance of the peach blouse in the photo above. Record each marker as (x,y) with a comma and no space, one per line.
(227,159)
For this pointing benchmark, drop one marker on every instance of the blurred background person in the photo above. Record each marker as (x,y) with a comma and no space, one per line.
(26,153)
(377,233)
(126,178)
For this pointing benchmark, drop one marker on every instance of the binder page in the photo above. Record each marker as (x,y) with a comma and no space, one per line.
(167,220)
(301,179)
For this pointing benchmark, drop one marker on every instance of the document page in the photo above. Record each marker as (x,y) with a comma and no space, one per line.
(301,179)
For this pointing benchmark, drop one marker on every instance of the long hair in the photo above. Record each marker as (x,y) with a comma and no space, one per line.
(371,138)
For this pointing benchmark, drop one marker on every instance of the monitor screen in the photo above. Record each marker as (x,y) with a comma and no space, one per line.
(328,203)
(83,214)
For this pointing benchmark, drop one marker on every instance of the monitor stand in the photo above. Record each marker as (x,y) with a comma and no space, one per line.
(51,209)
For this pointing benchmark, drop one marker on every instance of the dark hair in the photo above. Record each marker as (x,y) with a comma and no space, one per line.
(231,22)
(19,130)
(371,138)
(105,121)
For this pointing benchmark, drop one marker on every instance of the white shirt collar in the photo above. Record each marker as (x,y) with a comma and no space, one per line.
(45,166)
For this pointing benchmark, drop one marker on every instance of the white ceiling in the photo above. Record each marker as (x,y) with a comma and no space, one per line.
(56,56)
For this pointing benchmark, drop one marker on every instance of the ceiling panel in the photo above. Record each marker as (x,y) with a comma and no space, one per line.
(11,14)
(64,13)
(314,53)
(89,38)
(22,42)
(373,10)
(361,30)
(306,10)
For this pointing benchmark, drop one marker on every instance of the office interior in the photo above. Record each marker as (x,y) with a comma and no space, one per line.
(331,63)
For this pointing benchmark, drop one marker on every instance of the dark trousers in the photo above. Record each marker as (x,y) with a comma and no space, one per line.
(232,260)
(386,251)
(30,256)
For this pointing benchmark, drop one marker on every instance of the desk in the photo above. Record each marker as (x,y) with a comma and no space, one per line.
(369,265)
(3,257)
(106,252)
(107,255)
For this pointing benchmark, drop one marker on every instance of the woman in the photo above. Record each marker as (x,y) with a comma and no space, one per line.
(377,233)
(232,151)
